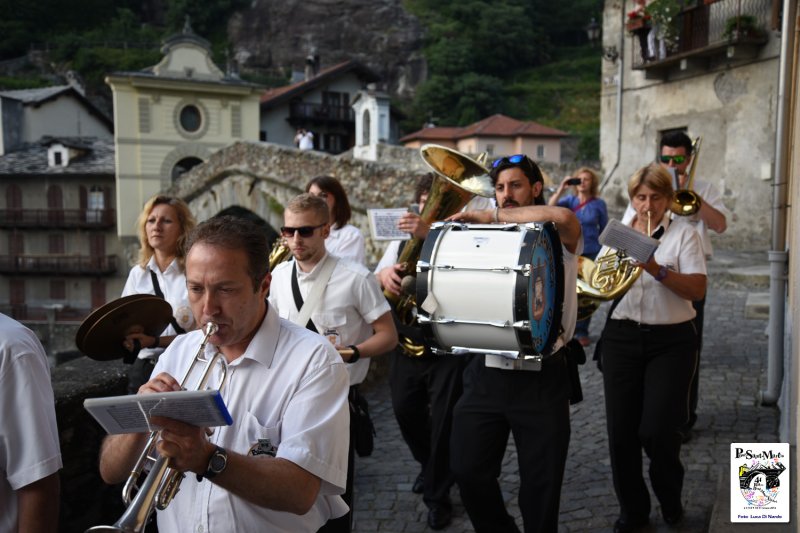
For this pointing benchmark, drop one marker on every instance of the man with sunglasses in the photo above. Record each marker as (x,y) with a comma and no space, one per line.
(676,153)
(508,395)
(348,306)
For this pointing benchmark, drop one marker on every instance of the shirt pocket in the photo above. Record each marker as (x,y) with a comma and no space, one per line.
(260,439)
(329,320)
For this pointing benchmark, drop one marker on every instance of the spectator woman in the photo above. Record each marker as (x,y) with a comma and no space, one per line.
(162,228)
(345,240)
(593,216)
(649,352)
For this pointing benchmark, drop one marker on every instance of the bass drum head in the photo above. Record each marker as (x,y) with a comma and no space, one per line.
(543,289)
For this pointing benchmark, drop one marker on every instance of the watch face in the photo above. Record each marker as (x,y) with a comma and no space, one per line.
(218,461)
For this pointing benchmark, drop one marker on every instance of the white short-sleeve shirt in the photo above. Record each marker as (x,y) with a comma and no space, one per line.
(29,448)
(290,386)
(347,242)
(352,301)
(173,284)
(648,301)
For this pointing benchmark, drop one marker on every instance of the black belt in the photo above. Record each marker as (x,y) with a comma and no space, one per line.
(660,328)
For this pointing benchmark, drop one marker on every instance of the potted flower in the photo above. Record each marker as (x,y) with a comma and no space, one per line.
(638,19)
(664,15)
(742,27)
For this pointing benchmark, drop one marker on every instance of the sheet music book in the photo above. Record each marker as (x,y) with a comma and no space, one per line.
(383,224)
(130,414)
(621,237)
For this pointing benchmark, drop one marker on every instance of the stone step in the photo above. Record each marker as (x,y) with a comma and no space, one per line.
(757,305)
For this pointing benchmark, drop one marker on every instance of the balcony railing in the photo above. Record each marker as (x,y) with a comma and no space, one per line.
(706,30)
(61,265)
(302,111)
(27,312)
(58,218)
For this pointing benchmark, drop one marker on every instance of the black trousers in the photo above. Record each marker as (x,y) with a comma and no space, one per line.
(534,406)
(699,307)
(424,393)
(647,371)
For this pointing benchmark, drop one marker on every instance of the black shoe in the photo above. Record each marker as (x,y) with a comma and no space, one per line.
(419,485)
(673,518)
(627,525)
(439,517)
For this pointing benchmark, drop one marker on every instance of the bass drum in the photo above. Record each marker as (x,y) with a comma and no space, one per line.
(491,288)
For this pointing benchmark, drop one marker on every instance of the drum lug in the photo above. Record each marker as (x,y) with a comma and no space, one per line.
(423,266)
(522,324)
(525,270)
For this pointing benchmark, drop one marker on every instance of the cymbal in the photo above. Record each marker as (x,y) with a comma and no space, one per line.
(101,334)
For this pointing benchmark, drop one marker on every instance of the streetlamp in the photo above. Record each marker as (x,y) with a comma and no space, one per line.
(593,31)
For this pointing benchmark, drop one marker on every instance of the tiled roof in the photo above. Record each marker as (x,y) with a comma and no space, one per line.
(32,96)
(494,126)
(31,158)
(278,95)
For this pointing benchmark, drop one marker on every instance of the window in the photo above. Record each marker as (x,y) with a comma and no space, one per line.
(58,289)
(262,136)
(55,243)
(96,204)
(539,151)
(489,149)
(190,118)
(57,158)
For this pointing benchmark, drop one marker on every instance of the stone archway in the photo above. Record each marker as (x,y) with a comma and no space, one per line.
(184,152)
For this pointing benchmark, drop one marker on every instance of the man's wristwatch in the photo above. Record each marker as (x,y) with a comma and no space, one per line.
(217,463)
(662,273)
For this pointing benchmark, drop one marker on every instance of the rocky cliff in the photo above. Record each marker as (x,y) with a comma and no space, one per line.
(277,35)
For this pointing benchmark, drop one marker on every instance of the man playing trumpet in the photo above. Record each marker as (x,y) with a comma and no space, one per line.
(283,462)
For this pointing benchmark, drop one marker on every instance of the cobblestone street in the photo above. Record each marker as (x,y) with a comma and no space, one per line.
(731,375)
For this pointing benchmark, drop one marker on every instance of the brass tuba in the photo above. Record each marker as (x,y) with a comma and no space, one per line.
(279,253)
(686,202)
(606,278)
(162,483)
(458,179)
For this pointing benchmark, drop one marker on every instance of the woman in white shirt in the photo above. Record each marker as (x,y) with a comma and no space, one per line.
(345,240)
(649,354)
(162,228)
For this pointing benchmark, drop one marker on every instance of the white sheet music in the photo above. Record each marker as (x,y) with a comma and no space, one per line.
(131,414)
(621,237)
(383,224)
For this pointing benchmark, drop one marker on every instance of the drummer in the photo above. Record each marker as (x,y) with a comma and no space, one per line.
(502,395)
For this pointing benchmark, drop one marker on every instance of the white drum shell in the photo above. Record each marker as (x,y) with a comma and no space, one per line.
(467,294)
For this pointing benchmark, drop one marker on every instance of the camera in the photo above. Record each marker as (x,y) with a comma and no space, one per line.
(574,181)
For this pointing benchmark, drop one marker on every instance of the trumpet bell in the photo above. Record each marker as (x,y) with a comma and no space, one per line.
(459,169)
(685,203)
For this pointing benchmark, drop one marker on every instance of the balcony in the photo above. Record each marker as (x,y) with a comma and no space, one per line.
(25,312)
(301,113)
(707,34)
(58,218)
(58,265)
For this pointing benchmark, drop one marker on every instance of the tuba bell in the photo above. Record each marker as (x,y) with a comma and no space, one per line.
(606,278)
(458,179)
(686,202)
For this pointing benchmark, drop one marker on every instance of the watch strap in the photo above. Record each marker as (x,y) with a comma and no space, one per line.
(216,464)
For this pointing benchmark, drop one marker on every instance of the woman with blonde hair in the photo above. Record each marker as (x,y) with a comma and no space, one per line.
(162,228)
(593,216)
(649,353)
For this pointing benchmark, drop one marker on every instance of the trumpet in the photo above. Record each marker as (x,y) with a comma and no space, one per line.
(606,278)
(162,483)
(686,202)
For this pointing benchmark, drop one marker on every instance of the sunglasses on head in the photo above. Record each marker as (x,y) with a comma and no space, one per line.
(678,159)
(304,231)
(513,160)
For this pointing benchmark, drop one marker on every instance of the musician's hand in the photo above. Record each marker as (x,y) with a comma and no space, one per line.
(390,278)
(163,382)
(413,224)
(186,446)
(145,341)
(484,216)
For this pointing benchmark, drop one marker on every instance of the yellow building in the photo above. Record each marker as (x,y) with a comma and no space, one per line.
(172,116)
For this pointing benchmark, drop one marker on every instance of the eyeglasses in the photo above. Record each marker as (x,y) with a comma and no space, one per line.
(304,231)
(513,160)
(677,159)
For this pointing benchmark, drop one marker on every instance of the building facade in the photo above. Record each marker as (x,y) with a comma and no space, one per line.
(172,116)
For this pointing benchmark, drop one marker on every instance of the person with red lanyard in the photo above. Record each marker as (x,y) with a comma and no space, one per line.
(593,216)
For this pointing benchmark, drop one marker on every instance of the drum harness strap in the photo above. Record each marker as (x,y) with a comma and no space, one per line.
(314,296)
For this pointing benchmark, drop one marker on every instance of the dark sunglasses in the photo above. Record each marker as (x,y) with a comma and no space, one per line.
(304,231)
(678,159)
(513,160)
